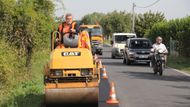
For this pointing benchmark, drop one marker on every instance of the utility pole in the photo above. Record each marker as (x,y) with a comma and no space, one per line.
(133,19)
(133,12)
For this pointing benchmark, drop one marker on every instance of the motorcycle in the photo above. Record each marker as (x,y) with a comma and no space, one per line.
(159,62)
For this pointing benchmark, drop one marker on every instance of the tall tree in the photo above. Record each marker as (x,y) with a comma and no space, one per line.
(116,22)
(111,22)
(144,22)
(93,18)
(26,24)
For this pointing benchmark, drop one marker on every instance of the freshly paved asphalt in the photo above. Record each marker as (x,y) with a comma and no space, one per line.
(137,86)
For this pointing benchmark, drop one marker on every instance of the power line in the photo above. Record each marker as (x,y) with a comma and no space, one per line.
(133,12)
(148,5)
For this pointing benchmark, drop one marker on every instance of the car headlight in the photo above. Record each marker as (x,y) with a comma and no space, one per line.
(160,51)
(115,45)
(100,46)
(163,58)
(131,53)
(85,72)
(57,72)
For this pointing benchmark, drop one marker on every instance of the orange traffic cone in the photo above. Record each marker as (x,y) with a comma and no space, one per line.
(95,57)
(112,97)
(100,62)
(104,75)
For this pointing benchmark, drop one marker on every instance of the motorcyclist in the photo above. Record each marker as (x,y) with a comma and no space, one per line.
(158,46)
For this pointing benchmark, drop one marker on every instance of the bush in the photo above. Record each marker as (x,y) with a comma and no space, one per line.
(178,30)
(8,67)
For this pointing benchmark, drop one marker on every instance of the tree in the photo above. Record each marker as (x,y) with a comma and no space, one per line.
(26,25)
(159,29)
(144,22)
(93,18)
(177,29)
(112,22)
(6,13)
(116,22)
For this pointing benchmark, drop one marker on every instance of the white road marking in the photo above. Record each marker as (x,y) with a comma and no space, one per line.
(182,72)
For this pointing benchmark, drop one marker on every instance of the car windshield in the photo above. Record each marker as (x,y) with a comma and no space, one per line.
(140,44)
(84,28)
(96,31)
(121,38)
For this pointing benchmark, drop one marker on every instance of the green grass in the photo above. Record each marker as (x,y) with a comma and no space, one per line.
(107,41)
(28,90)
(179,63)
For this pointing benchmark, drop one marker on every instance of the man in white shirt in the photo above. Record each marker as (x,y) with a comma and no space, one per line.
(159,46)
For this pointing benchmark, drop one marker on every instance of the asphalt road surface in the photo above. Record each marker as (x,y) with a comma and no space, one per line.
(137,86)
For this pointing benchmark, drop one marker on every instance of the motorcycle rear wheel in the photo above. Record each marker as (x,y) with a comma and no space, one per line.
(161,69)
(155,70)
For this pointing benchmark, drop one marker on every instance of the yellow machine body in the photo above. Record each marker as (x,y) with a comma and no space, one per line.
(71,76)
(68,58)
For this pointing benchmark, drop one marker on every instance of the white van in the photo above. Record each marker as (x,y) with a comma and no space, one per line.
(118,43)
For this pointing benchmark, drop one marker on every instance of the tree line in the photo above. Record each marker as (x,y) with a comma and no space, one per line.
(121,21)
(149,24)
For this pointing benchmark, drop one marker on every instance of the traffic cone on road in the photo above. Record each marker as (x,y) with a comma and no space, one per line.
(100,64)
(104,75)
(112,95)
(95,57)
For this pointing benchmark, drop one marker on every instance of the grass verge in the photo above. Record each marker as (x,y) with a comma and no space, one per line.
(28,90)
(180,63)
(106,41)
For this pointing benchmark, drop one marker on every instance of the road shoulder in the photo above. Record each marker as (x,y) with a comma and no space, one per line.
(179,71)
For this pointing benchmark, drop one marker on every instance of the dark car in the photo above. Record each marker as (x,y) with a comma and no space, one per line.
(137,50)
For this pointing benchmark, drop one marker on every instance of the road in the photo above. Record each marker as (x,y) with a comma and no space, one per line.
(136,86)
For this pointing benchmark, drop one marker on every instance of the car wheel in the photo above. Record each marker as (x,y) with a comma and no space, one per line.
(160,73)
(148,63)
(112,56)
(124,60)
(101,53)
(128,62)
(161,69)
(155,70)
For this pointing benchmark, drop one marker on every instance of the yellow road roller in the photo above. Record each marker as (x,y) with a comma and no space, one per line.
(72,74)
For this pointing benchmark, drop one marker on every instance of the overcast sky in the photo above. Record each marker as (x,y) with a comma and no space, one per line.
(171,8)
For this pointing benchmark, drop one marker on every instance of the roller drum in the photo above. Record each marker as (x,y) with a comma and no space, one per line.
(69,96)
